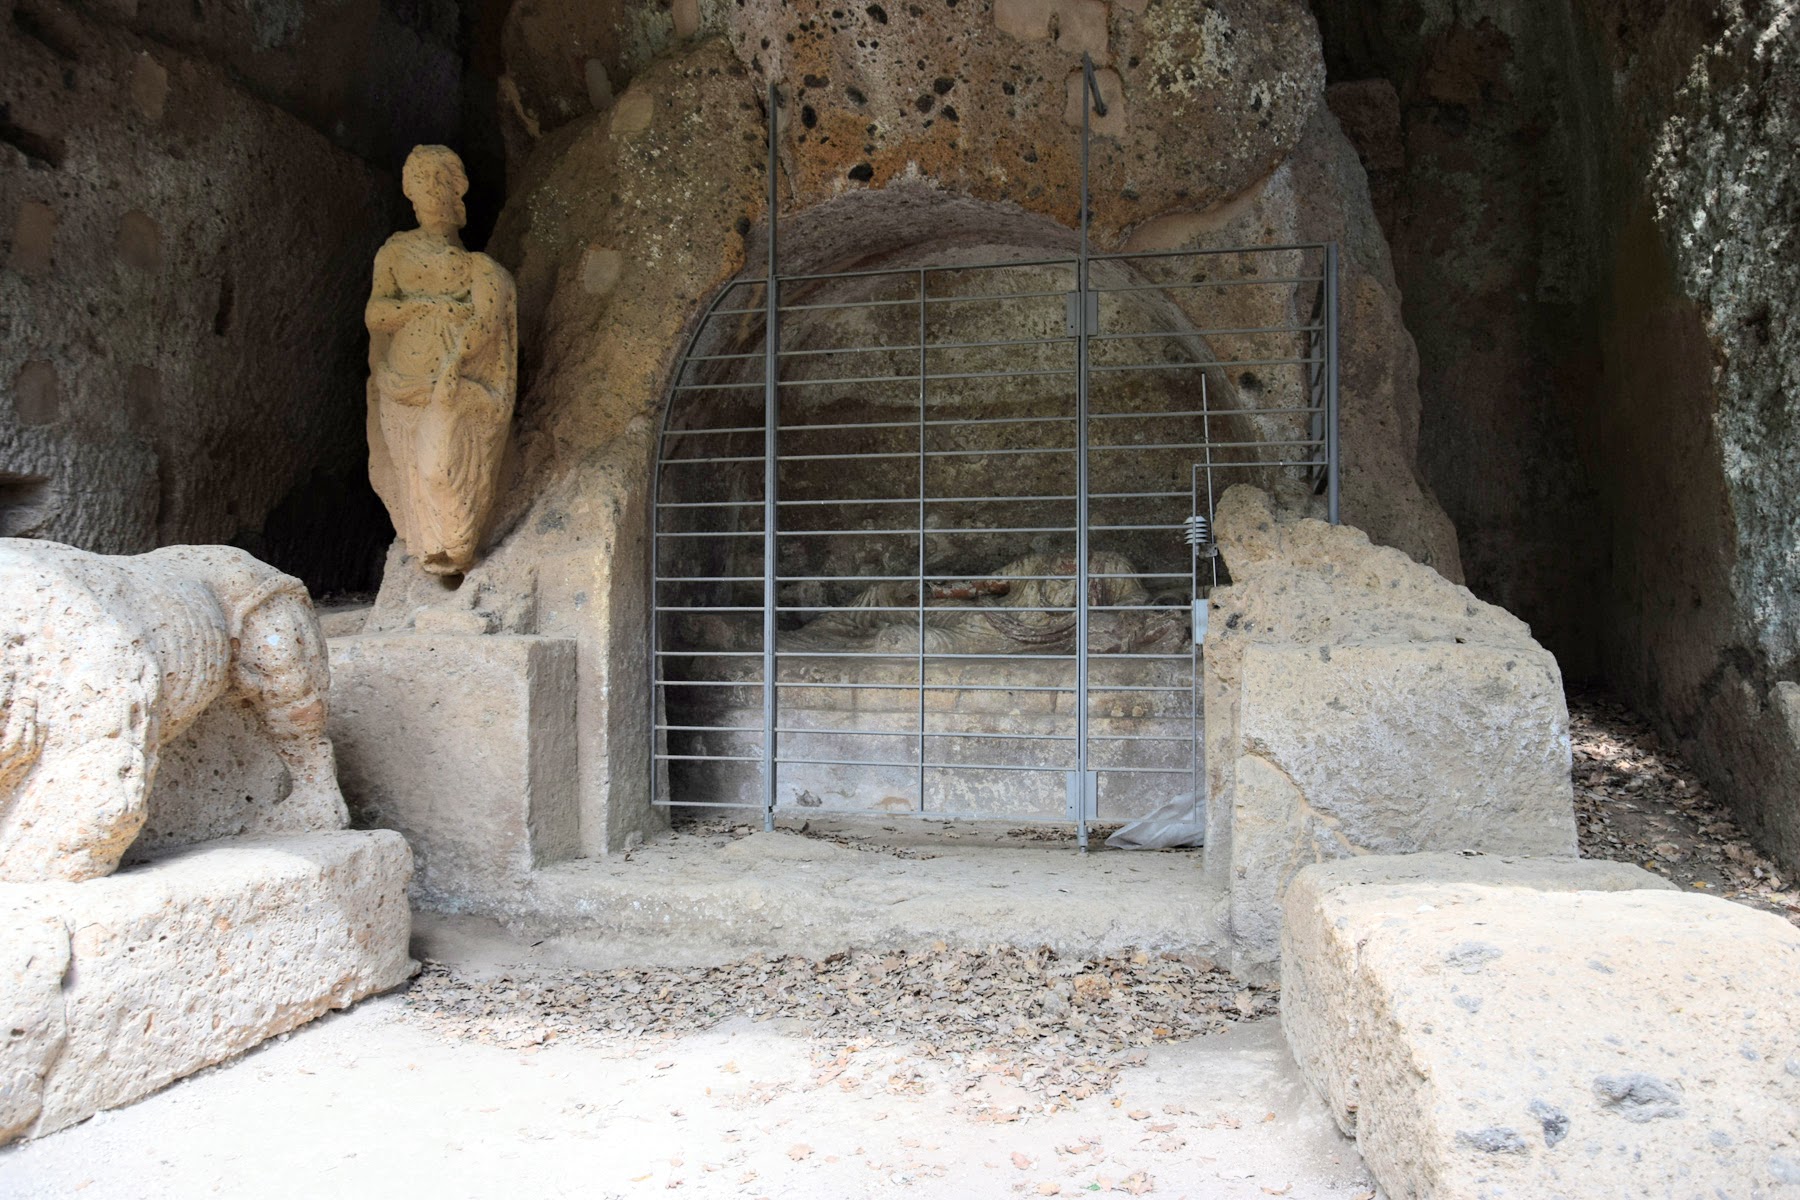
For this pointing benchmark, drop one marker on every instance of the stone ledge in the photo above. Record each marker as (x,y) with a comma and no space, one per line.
(1536,1030)
(125,984)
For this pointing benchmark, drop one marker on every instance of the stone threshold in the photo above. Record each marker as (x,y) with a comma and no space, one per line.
(704,899)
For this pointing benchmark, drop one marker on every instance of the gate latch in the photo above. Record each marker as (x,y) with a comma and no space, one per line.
(1074,309)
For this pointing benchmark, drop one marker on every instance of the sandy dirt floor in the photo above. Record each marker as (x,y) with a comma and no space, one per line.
(373,1102)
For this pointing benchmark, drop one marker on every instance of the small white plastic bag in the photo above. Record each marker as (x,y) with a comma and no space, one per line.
(1180,822)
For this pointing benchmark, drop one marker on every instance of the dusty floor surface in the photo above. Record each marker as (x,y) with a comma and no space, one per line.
(376,1103)
(928,1071)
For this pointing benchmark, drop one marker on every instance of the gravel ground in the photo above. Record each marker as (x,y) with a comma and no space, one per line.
(1052,1030)
(1637,801)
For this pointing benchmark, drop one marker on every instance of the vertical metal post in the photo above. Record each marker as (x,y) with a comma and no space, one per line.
(1198,632)
(658,711)
(771,471)
(1196,663)
(1090,100)
(922,373)
(1331,379)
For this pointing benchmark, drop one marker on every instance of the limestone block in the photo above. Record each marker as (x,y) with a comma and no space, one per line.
(110,659)
(167,967)
(34,957)
(1357,702)
(1391,748)
(1545,1030)
(467,746)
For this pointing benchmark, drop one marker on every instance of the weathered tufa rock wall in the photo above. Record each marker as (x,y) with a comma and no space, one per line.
(187,212)
(183,267)
(949,127)
(1725,184)
(1320,193)
(1594,214)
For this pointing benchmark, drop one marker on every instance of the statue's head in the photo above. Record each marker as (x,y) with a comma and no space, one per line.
(434,181)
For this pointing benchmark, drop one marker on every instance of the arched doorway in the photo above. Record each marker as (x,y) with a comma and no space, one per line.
(934,541)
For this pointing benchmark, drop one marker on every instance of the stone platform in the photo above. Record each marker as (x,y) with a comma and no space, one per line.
(1518,1030)
(691,899)
(115,987)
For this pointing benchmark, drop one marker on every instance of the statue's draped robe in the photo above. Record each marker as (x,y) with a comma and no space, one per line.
(441,396)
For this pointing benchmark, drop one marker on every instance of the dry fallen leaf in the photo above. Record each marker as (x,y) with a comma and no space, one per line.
(799,1150)
(1020,1161)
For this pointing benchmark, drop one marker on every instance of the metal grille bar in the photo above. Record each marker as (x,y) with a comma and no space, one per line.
(822,472)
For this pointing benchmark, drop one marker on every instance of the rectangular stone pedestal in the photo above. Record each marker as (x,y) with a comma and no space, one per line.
(113,988)
(465,744)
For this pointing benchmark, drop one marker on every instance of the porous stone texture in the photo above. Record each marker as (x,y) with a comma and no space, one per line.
(183,266)
(1359,703)
(972,94)
(1320,193)
(108,659)
(221,778)
(1504,1029)
(467,746)
(119,986)
(1593,220)
(34,957)
(1203,102)
(931,133)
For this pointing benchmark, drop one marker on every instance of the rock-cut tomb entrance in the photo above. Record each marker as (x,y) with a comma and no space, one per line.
(932,546)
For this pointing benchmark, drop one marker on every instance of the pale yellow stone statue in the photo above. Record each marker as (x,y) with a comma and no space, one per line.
(443,366)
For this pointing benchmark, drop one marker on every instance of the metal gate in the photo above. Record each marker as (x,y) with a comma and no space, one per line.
(936,540)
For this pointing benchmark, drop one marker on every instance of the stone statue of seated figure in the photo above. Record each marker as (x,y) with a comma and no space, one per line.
(1007,613)
(104,660)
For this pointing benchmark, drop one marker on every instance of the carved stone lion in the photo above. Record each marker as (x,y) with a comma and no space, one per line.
(104,660)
